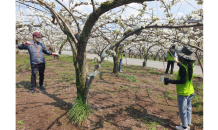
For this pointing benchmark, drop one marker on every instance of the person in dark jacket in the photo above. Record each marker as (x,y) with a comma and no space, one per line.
(37,60)
(184,86)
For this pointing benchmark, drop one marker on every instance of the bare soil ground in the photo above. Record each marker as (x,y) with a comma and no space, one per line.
(134,99)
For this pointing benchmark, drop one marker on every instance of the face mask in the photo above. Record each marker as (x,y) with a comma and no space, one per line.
(38,39)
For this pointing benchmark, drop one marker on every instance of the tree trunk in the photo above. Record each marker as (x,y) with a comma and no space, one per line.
(165,59)
(79,83)
(116,65)
(62,45)
(88,83)
(145,57)
(51,49)
(145,60)
(156,56)
(199,60)
(81,69)
(143,63)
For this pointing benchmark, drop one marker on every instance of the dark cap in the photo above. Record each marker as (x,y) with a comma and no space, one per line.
(37,34)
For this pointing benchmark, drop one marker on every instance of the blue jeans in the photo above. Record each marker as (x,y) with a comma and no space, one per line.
(120,64)
(185,109)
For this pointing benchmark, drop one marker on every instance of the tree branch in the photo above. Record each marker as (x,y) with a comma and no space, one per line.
(71,15)
(113,21)
(20,26)
(106,6)
(93,5)
(65,25)
(196,47)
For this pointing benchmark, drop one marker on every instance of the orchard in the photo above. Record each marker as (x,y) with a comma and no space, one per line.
(93,93)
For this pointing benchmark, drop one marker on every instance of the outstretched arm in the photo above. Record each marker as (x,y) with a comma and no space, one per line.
(46,51)
(182,74)
(22,46)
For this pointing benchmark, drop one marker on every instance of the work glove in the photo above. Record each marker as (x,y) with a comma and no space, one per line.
(27,43)
(56,54)
(166,81)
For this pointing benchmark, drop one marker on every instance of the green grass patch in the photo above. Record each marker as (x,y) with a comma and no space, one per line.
(151,123)
(151,67)
(149,92)
(48,64)
(93,63)
(159,96)
(144,81)
(105,62)
(122,87)
(61,65)
(133,87)
(197,101)
(153,72)
(80,111)
(20,122)
(105,66)
(131,78)
(198,87)
(168,94)
(66,58)
(29,77)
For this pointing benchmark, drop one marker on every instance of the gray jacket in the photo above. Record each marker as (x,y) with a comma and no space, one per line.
(36,53)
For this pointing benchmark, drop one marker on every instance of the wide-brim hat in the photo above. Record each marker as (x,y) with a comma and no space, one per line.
(186,53)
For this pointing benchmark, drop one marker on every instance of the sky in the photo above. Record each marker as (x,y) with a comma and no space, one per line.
(181,9)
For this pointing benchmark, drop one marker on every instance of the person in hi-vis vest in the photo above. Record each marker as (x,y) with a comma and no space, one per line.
(184,86)
(170,59)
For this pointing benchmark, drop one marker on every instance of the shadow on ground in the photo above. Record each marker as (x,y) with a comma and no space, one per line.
(59,102)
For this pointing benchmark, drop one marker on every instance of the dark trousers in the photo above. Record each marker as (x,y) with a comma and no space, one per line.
(168,66)
(41,69)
